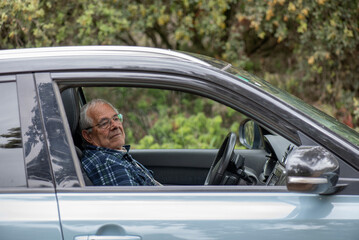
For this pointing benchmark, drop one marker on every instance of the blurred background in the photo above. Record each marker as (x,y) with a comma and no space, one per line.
(308,48)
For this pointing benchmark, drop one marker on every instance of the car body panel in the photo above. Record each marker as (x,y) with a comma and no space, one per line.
(209,215)
(29,215)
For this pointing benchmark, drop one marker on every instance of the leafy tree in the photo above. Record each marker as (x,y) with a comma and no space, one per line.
(309,48)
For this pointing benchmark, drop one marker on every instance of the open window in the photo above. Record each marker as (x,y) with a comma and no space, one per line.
(177,135)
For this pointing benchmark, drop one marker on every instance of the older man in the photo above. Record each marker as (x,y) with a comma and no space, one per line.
(106,158)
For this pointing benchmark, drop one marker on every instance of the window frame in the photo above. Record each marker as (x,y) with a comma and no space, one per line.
(189,84)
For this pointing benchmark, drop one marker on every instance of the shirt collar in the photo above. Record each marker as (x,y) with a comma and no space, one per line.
(125,148)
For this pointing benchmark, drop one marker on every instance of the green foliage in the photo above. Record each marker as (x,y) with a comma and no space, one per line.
(309,48)
(197,131)
(161,119)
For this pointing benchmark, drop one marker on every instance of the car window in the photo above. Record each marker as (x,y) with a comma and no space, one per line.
(166,119)
(333,124)
(179,136)
(12,169)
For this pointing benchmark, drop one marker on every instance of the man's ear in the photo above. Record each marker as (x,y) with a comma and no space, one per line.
(87,136)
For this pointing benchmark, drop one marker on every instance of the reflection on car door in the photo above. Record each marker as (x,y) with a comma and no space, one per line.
(205,213)
(29,215)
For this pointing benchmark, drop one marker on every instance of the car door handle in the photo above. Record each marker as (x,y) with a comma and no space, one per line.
(98,237)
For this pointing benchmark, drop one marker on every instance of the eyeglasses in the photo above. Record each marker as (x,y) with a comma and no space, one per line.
(106,122)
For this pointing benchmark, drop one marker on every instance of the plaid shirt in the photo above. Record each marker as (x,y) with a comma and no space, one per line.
(108,167)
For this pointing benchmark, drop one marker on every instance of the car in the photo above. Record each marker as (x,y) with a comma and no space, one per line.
(253,163)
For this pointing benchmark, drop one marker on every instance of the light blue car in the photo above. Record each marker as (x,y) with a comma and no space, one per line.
(284,169)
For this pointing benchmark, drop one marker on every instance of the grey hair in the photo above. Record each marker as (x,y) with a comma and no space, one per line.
(85,121)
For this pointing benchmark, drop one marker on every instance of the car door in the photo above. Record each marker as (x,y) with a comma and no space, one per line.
(28,205)
(205,213)
(189,212)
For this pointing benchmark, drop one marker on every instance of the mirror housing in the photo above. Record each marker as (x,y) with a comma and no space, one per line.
(250,134)
(312,169)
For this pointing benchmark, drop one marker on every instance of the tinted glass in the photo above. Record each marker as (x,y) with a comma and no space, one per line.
(12,169)
(319,116)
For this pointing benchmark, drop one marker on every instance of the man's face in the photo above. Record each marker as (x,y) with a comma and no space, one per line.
(112,137)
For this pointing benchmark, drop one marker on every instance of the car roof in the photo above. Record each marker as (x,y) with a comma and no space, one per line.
(44,52)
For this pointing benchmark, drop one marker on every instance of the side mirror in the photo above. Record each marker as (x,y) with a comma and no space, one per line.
(250,134)
(312,169)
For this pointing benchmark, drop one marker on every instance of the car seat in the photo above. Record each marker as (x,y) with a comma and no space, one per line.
(70,99)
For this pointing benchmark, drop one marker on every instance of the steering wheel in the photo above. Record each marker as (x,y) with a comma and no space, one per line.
(221,161)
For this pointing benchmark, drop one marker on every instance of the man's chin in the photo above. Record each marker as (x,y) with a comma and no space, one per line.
(117,146)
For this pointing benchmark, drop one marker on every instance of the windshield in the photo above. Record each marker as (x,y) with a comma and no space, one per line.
(322,118)
(317,115)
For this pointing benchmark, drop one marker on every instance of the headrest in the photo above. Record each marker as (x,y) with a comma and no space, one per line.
(72,108)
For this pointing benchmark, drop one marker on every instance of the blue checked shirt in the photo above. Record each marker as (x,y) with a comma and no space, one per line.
(108,167)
